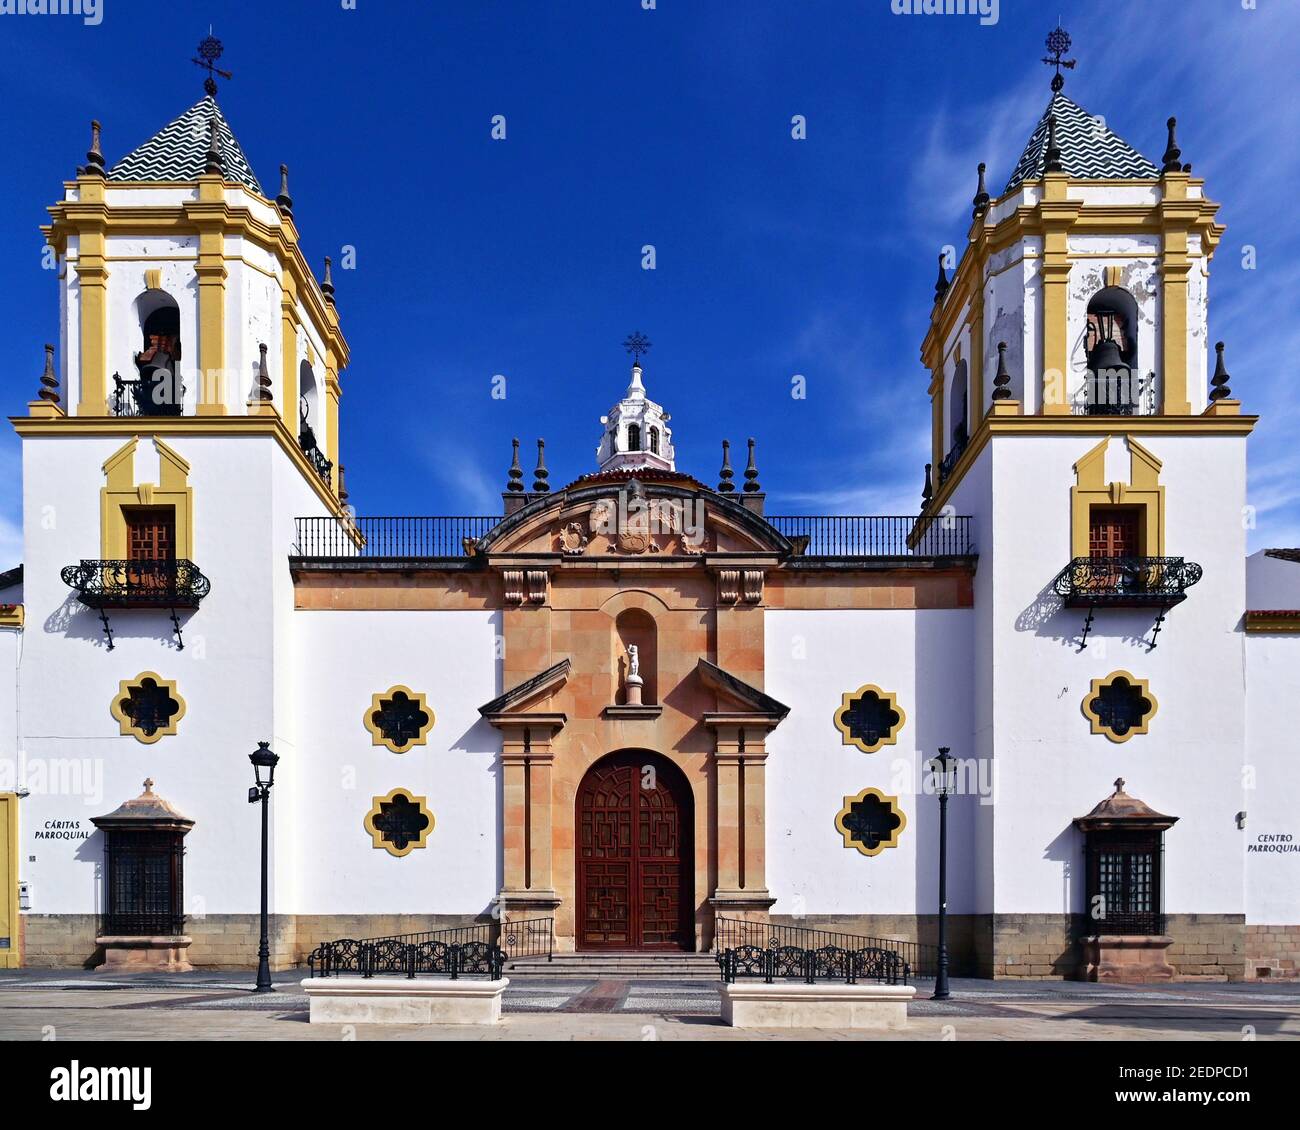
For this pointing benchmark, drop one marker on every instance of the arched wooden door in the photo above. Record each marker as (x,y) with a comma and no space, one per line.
(635,864)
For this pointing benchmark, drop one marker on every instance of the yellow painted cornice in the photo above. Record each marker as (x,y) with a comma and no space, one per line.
(992,425)
(198,216)
(272,426)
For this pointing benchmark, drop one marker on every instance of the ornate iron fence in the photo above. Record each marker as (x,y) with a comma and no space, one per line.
(452,952)
(161,396)
(920,959)
(876,535)
(389,539)
(829,963)
(1126,580)
(168,583)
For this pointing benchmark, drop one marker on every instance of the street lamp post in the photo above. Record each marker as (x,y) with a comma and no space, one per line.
(264,761)
(944,770)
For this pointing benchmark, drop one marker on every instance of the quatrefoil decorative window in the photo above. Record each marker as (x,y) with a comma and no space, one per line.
(1119,706)
(399,719)
(870,821)
(869,718)
(147,707)
(399,822)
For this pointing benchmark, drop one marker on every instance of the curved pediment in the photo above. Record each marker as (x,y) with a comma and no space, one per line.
(663,514)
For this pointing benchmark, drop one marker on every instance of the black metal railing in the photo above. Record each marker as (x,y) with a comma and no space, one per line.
(390,539)
(161,396)
(142,924)
(528,937)
(392,956)
(829,963)
(315,456)
(479,949)
(959,444)
(1119,393)
(876,535)
(168,583)
(920,959)
(1126,580)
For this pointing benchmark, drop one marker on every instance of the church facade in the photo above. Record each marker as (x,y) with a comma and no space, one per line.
(637,706)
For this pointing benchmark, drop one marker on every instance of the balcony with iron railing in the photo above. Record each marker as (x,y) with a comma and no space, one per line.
(1126,582)
(169,583)
(1115,392)
(393,540)
(960,441)
(161,394)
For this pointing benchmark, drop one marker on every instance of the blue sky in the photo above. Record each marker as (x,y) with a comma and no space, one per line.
(669,127)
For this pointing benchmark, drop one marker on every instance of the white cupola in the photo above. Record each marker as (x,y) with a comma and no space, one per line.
(637,435)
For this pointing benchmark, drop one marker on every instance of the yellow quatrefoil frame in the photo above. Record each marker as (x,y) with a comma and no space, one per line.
(127,723)
(377,735)
(377,835)
(887,697)
(1098,727)
(891,802)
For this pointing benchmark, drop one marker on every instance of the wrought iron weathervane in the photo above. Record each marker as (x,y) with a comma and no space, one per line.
(637,344)
(1058,43)
(209,52)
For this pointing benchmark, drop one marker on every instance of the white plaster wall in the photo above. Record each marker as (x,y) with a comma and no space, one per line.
(1050,767)
(814,657)
(342,659)
(1273,722)
(71,755)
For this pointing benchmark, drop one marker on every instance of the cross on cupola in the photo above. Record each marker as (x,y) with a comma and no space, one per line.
(637,436)
(209,52)
(1058,43)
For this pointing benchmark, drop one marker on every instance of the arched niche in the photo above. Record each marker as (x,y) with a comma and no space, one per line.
(309,417)
(636,626)
(1113,315)
(958,403)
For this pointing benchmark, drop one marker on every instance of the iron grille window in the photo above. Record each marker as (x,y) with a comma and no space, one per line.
(400,821)
(634,437)
(145,883)
(1120,706)
(149,706)
(870,718)
(1124,883)
(400,719)
(871,821)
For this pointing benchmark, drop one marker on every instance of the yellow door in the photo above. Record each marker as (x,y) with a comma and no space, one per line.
(9,956)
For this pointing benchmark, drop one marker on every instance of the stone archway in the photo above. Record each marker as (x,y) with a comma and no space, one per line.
(635,861)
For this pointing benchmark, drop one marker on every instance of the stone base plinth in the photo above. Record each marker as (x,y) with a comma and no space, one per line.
(756,1004)
(403,1000)
(1127,960)
(161,953)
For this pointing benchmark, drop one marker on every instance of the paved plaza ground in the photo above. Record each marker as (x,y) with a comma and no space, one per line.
(77,1005)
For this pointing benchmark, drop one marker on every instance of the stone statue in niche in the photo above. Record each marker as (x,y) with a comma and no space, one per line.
(633,683)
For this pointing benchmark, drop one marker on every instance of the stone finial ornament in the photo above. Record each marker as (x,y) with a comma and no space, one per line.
(541,475)
(49,380)
(1220,389)
(94,165)
(941,284)
(516,482)
(262,393)
(284,201)
(1002,381)
(927,488)
(1052,154)
(981,200)
(212,164)
(343,490)
(327,283)
(726,474)
(1172,152)
(751,472)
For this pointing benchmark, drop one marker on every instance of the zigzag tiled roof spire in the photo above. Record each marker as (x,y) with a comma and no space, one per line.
(178,151)
(1088,149)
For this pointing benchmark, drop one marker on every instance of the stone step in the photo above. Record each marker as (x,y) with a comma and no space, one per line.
(615,965)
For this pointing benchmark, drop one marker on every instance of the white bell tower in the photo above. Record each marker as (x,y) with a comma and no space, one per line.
(637,435)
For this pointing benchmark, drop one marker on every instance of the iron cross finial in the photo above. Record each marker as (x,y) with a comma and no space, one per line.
(637,344)
(1058,43)
(209,52)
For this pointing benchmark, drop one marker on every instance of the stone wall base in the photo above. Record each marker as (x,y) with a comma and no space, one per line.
(224,941)
(1272,953)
